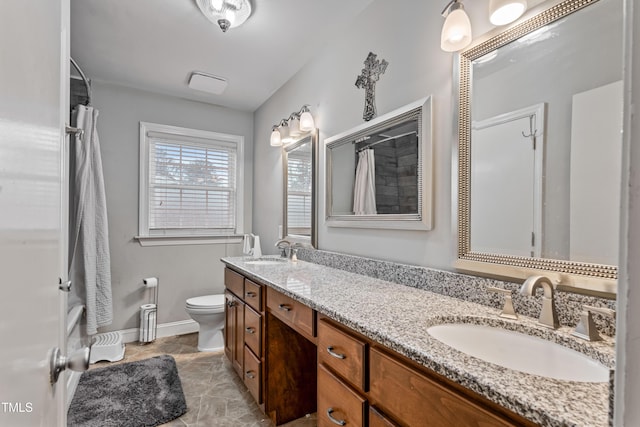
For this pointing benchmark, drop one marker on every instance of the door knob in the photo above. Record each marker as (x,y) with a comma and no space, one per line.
(78,361)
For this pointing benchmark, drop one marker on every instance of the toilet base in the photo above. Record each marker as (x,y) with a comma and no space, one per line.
(210,339)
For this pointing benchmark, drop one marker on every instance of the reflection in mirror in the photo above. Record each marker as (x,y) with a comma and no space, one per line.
(378,174)
(299,168)
(540,146)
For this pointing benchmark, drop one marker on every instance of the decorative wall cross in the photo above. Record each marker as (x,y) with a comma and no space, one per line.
(371,72)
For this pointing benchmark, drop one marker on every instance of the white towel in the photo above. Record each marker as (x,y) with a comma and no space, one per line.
(90,263)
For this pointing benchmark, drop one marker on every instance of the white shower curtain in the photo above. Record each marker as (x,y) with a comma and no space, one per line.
(364,192)
(90,264)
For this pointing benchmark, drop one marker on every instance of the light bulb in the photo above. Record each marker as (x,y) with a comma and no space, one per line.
(456,31)
(276,138)
(306,122)
(294,126)
(502,12)
(284,134)
(230,15)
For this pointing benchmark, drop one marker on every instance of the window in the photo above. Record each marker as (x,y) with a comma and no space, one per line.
(190,185)
(299,176)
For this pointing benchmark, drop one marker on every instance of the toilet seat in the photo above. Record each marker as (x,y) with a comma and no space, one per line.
(206,302)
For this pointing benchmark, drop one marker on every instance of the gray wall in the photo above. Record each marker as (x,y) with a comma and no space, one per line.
(183,271)
(409,39)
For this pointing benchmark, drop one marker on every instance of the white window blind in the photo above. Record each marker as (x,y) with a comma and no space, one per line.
(299,193)
(191,184)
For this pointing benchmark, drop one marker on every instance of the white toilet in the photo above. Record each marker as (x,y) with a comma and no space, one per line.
(208,311)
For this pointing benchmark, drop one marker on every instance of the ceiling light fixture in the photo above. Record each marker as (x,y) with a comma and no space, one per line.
(226,13)
(456,31)
(503,12)
(289,130)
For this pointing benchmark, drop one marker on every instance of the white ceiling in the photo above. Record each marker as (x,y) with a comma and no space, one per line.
(156,44)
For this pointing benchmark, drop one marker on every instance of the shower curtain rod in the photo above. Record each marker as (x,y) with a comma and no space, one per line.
(84,79)
(384,140)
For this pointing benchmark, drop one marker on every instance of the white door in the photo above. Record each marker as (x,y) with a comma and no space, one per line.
(506,178)
(33,87)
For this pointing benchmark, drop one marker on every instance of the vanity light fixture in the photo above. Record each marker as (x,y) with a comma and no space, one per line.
(226,13)
(289,130)
(456,31)
(503,12)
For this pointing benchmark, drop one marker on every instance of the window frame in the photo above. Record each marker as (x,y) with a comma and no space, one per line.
(175,236)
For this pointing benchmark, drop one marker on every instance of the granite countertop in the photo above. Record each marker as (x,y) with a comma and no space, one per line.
(398,316)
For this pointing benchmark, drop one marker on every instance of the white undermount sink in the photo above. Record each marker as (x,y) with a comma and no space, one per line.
(520,352)
(269,261)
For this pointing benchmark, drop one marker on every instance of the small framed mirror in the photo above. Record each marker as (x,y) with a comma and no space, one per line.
(299,161)
(379,174)
(539,152)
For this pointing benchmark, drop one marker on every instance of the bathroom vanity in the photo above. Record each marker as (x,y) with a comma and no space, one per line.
(307,338)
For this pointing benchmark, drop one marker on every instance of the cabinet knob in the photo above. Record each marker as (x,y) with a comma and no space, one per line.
(251,294)
(231,303)
(250,330)
(284,307)
(334,354)
(250,375)
(335,420)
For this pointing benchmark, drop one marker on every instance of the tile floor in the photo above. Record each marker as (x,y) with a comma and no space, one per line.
(216,397)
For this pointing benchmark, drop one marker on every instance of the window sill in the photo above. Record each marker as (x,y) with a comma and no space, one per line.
(186,240)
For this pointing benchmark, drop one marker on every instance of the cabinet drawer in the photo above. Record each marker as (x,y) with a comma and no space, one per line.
(338,402)
(253,294)
(343,353)
(234,282)
(253,330)
(253,374)
(296,315)
(411,397)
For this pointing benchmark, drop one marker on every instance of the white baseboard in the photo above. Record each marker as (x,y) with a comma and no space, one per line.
(181,327)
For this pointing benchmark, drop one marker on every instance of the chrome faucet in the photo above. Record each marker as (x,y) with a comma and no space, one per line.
(288,249)
(548,315)
(285,248)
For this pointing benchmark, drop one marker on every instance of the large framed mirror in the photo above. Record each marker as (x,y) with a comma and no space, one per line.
(299,161)
(379,174)
(540,147)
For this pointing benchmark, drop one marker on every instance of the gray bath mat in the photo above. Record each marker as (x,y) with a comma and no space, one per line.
(134,394)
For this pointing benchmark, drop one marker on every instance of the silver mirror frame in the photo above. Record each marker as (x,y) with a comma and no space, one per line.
(571,276)
(423,220)
(293,238)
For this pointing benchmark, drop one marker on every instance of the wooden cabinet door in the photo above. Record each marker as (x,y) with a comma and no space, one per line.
(234,331)
(238,344)
(229,325)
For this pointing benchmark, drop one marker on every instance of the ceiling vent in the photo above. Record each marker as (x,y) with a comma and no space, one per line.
(207,83)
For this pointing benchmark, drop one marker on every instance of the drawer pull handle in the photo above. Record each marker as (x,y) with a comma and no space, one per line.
(334,354)
(284,307)
(250,330)
(251,294)
(335,420)
(231,304)
(250,375)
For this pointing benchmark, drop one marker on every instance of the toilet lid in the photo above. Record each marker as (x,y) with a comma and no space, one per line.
(206,301)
